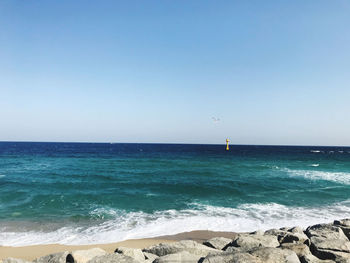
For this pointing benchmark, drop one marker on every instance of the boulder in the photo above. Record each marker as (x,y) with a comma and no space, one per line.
(149,256)
(333,256)
(232,249)
(328,242)
(217,242)
(275,255)
(83,256)
(190,246)
(303,252)
(344,224)
(296,229)
(275,232)
(293,235)
(14,260)
(62,257)
(290,237)
(134,253)
(257,232)
(179,257)
(112,258)
(326,231)
(250,241)
(227,257)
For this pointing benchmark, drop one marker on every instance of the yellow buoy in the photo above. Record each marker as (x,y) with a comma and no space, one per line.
(227,146)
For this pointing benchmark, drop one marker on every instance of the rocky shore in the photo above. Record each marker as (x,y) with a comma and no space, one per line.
(320,243)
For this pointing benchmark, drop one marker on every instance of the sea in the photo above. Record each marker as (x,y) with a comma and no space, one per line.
(89,193)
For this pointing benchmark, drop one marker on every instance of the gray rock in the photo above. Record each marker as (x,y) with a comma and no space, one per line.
(248,242)
(61,257)
(303,252)
(217,242)
(290,237)
(83,256)
(190,246)
(325,231)
(332,255)
(232,249)
(14,260)
(113,258)
(150,256)
(293,235)
(228,257)
(134,253)
(275,232)
(284,228)
(257,232)
(344,224)
(296,229)
(183,256)
(275,255)
(327,241)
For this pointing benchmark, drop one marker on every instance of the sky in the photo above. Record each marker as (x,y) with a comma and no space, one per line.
(273,72)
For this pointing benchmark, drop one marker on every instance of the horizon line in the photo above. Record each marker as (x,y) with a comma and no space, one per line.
(183,143)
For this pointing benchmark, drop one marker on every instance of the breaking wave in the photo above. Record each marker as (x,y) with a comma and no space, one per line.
(338,177)
(246,217)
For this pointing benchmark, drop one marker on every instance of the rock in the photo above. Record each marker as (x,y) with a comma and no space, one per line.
(257,232)
(275,255)
(150,256)
(296,229)
(190,246)
(62,257)
(248,242)
(228,257)
(293,235)
(275,232)
(284,228)
(83,256)
(333,256)
(14,260)
(328,242)
(113,258)
(344,224)
(134,253)
(217,242)
(183,256)
(326,231)
(303,252)
(234,249)
(290,237)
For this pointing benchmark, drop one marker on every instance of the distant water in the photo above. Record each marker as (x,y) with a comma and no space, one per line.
(81,193)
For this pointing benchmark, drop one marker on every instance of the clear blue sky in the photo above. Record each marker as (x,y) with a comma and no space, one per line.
(274,72)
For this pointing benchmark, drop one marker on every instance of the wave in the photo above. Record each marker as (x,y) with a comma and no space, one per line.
(338,177)
(2,175)
(315,165)
(130,225)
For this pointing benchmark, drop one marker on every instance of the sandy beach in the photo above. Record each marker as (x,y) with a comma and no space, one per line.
(33,252)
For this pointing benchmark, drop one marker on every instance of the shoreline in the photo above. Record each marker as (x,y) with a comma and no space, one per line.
(325,242)
(35,251)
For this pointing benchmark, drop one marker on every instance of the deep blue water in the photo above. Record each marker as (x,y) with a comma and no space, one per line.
(96,193)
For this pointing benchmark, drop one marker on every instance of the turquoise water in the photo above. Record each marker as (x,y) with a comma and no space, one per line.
(77,193)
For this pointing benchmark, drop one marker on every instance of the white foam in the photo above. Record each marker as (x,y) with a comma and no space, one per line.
(247,217)
(2,175)
(315,165)
(315,151)
(339,177)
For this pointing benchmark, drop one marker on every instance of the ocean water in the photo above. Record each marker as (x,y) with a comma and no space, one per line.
(83,193)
